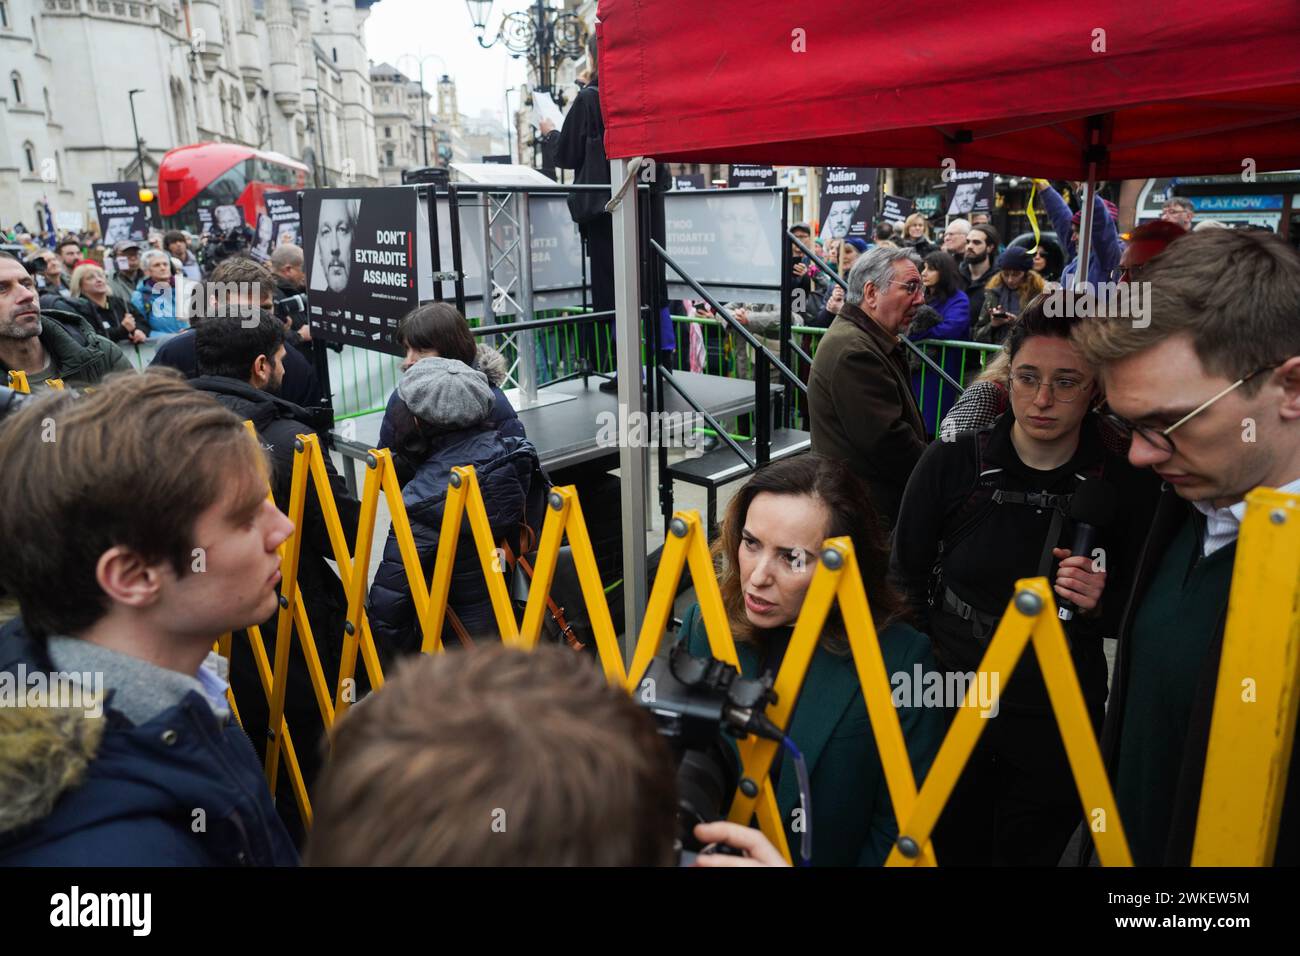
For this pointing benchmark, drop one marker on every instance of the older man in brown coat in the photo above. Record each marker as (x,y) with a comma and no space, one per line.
(860,389)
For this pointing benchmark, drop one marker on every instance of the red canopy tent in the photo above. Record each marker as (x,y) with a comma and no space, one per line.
(1156,88)
(1111,89)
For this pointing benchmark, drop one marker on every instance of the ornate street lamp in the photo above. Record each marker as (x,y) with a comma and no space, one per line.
(543,34)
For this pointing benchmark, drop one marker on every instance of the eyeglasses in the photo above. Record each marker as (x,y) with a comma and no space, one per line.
(1158,438)
(1027,384)
(911,286)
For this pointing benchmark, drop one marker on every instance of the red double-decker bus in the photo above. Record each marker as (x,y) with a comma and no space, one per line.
(194,180)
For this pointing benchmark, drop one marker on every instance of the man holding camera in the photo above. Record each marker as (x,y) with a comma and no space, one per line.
(290,294)
(126,276)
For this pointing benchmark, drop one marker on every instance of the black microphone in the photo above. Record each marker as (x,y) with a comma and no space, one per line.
(1091,508)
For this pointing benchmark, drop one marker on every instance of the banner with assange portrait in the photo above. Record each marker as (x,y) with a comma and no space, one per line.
(729,242)
(848,202)
(280,225)
(120,212)
(360,257)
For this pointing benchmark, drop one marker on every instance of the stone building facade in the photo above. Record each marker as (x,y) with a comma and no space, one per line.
(289,76)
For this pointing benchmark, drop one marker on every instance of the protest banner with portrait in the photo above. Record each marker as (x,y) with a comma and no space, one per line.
(969,192)
(360,257)
(120,212)
(728,241)
(848,201)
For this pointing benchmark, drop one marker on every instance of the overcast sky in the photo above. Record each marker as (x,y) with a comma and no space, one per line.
(443,27)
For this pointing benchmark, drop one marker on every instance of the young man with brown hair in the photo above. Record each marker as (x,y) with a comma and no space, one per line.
(496,756)
(138,532)
(1207,385)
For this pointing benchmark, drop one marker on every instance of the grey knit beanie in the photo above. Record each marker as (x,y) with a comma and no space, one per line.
(446,393)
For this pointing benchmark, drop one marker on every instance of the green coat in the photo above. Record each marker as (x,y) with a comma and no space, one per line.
(80,365)
(852,819)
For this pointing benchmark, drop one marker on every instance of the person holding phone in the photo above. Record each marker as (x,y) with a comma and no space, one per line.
(1007,295)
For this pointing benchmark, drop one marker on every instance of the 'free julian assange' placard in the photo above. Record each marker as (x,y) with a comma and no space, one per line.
(359,253)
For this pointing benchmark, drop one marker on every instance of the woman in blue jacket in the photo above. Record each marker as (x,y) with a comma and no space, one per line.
(155,295)
(943,293)
(766,552)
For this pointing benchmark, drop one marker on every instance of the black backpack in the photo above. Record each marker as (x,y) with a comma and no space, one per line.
(986,494)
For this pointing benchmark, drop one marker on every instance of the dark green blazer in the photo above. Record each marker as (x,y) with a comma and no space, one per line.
(852,818)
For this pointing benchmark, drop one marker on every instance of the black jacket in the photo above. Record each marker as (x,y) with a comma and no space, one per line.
(1170,513)
(107,321)
(1006,543)
(300,386)
(579,145)
(278,423)
(974,288)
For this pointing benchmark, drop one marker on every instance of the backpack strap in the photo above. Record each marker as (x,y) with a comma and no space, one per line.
(463,635)
(556,612)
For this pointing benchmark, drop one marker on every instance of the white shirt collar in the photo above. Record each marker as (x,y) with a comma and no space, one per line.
(1222,525)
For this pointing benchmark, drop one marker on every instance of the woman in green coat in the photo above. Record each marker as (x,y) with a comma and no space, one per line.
(766,552)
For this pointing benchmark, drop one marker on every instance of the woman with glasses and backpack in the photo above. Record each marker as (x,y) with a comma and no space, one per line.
(983,510)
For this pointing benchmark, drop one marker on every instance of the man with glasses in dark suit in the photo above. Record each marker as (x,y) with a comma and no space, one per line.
(1209,395)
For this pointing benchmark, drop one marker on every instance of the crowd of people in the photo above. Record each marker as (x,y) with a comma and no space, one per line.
(164,546)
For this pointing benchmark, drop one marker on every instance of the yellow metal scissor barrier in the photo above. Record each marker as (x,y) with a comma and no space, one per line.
(1254,724)
(18,382)
(1255,707)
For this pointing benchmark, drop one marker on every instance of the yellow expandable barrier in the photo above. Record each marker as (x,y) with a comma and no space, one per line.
(1254,723)
(1251,736)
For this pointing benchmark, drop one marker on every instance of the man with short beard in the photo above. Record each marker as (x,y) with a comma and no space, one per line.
(70,254)
(45,349)
(977,265)
(241,365)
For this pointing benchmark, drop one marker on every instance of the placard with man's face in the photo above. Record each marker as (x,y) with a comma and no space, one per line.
(334,235)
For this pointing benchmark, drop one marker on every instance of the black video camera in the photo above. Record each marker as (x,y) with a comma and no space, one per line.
(292,308)
(696,702)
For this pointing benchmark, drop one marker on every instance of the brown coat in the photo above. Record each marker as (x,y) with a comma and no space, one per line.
(862,408)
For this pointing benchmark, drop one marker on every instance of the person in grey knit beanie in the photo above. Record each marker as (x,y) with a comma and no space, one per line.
(446,393)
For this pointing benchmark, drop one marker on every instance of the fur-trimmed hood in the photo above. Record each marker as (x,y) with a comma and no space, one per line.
(491,363)
(84,786)
(44,752)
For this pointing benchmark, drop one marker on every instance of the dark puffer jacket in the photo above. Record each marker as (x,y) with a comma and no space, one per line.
(81,790)
(509,475)
(399,424)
